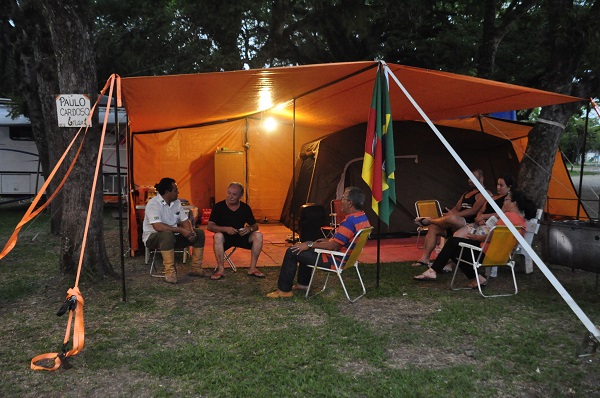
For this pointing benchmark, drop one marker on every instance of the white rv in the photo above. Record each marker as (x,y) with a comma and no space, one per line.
(20,168)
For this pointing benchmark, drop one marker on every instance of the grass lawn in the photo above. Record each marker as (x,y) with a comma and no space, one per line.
(203,338)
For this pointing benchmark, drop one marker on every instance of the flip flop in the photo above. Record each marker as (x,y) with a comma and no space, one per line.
(256,274)
(423,278)
(419,264)
(217,275)
(473,284)
(420,223)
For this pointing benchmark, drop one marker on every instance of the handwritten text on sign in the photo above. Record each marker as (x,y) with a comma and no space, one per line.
(72,110)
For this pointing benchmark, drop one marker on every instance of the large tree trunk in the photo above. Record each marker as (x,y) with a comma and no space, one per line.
(59,59)
(536,166)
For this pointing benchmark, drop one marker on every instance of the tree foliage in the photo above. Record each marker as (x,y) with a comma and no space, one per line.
(546,44)
(575,140)
(549,44)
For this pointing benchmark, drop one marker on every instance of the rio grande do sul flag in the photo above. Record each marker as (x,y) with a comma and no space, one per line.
(379,164)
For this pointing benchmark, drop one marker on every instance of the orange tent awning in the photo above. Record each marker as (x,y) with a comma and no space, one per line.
(331,96)
(177,122)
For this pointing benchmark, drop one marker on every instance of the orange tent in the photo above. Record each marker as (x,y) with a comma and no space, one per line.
(178,122)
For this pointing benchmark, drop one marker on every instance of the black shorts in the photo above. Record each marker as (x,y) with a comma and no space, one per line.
(237,241)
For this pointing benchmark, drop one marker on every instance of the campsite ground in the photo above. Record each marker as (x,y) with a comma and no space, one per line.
(225,339)
(590,188)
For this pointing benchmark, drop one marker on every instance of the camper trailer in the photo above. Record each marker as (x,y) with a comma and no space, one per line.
(20,169)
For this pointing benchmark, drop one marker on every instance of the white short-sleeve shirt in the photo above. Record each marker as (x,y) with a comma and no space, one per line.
(157,210)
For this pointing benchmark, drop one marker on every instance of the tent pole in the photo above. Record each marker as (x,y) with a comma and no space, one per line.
(378,249)
(293,171)
(120,200)
(246,146)
(583,150)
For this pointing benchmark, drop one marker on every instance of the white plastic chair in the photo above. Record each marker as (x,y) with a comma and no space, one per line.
(533,226)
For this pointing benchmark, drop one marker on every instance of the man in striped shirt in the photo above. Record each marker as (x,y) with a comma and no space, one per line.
(298,256)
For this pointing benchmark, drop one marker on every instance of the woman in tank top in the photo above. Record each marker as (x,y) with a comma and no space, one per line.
(505,184)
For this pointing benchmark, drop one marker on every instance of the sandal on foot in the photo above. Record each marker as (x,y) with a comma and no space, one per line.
(419,264)
(473,284)
(423,277)
(217,275)
(256,274)
(279,294)
(420,221)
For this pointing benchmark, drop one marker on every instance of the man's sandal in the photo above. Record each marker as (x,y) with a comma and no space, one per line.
(217,275)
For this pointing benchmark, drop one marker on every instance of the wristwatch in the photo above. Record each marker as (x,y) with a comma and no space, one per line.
(310,243)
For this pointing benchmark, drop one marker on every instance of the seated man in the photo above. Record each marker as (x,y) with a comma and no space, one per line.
(461,214)
(303,253)
(234,225)
(166,227)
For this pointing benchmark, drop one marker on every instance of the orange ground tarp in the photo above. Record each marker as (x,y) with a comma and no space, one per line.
(177,122)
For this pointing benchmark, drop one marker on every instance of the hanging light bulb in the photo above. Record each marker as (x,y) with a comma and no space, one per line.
(269,124)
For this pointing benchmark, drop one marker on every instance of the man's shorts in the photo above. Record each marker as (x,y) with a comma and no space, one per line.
(237,241)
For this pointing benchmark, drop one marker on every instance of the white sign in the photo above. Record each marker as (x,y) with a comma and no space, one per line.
(72,110)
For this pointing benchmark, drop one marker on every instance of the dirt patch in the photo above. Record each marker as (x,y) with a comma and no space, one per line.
(388,312)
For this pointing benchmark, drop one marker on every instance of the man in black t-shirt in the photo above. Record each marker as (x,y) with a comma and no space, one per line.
(234,225)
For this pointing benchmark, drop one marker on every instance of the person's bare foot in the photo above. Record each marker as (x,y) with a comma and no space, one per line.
(429,275)
(422,221)
(473,283)
(420,263)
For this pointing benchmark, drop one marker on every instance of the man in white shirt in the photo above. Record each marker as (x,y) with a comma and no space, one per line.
(166,227)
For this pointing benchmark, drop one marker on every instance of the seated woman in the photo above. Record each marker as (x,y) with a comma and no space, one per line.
(461,214)
(517,207)
(504,185)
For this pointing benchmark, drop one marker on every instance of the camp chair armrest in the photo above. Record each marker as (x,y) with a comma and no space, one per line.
(469,246)
(331,252)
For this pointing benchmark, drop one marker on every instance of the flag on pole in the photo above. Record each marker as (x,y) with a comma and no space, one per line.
(379,163)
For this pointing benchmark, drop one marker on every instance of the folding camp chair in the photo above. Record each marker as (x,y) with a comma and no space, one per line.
(500,244)
(152,252)
(340,261)
(228,259)
(337,215)
(426,208)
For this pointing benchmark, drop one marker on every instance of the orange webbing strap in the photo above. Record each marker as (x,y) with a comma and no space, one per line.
(74,304)
(30,214)
(74,301)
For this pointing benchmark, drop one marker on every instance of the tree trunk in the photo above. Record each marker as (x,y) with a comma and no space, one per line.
(58,58)
(536,166)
